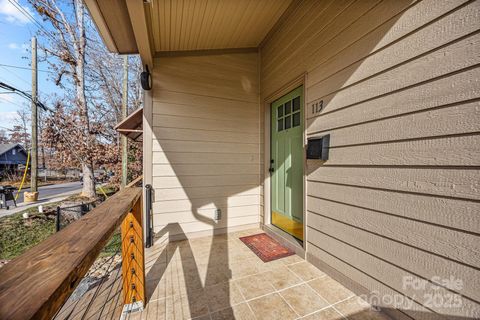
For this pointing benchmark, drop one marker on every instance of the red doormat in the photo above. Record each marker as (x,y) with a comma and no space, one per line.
(266,248)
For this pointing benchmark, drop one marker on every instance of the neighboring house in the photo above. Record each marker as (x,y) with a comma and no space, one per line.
(241,89)
(11,156)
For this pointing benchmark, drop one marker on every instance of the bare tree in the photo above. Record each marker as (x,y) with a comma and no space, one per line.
(3,136)
(67,45)
(20,132)
(104,77)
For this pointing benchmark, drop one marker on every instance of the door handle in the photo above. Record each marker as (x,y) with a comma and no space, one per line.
(271,169)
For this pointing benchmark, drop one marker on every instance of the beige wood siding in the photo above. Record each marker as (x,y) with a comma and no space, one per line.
(206,142)
(399,196)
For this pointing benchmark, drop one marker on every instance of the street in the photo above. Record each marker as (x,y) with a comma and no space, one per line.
(54,190)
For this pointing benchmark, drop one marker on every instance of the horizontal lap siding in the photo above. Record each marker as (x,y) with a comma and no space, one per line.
(399,195)
(206,148)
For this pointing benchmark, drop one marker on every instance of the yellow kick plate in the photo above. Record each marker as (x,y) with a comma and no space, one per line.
(288,225)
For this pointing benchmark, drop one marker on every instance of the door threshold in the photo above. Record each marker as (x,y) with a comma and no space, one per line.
(287,225)
(285,239)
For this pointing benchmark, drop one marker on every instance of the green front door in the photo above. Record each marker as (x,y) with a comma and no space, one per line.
(286,164)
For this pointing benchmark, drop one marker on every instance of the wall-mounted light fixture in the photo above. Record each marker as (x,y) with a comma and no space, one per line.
(146,79)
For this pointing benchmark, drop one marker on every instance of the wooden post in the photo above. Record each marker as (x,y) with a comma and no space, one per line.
(133,259)
(34,152)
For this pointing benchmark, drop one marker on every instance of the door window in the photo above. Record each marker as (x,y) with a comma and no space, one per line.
(288,114)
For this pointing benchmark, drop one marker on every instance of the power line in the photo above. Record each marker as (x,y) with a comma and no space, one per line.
(25,13)
(24,68)
(24,94)
(15,75)
(29,16)
(14,103)
(3,79)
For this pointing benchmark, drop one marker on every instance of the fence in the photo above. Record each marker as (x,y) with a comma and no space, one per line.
(67,215)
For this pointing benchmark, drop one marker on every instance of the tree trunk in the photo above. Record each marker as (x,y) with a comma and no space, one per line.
(87,165)
(88,181)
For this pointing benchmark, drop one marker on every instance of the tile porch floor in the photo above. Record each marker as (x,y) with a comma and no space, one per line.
(220,278)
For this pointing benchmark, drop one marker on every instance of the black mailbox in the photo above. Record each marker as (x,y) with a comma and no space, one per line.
(317,148)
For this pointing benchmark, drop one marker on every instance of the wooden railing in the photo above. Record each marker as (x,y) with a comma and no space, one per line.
(36,284)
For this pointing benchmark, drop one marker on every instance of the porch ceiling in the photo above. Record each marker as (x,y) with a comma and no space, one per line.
(185,25)
(161,26)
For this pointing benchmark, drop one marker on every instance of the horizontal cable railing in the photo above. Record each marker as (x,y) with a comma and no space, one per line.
(36,284)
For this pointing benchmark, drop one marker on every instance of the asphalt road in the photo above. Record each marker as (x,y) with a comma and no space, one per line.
(53,190)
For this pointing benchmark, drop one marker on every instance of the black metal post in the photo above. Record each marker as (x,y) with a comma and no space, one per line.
(148,221)
(57,219)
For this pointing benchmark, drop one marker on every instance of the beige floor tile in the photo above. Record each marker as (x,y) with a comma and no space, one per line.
(235,241)
(174,245)
(254,286)
(291,259)
(282,277)
(156,289)
(243,268)
(237,312)
(272,307)
(179,282)
(249,232)
(306,271)
(326,314)
(212,277)
(239,253)
(186,306)
(205,317)
(155,310)
(155,258)
(267,266)
(156,248)
(330,290)
(203,257)
(214,261)
(136,316)
(216,275)
(357,309)
(303,299)
(223,295)
(204,242)
(185,253)
(155,271)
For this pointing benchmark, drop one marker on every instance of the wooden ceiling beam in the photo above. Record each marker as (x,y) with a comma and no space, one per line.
(136,10)
(102,27)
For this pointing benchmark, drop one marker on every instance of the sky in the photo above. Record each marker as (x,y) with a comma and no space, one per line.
(16,31)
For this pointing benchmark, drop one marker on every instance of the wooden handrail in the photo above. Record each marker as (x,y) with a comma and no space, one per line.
(135,181)
(36,284)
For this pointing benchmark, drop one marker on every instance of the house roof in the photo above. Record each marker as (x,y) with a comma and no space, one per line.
(8,146)
(132,126)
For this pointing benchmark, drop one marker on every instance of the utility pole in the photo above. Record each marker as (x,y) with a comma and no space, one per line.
(34,151)
(124,141)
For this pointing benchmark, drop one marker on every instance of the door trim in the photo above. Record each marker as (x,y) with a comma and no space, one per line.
(293,84)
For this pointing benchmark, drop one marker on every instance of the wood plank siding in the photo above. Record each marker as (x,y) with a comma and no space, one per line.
(399,196)
(185,25)
(206,142)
